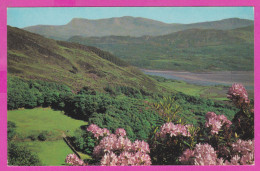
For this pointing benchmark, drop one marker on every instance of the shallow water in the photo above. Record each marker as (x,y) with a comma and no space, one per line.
(208,78)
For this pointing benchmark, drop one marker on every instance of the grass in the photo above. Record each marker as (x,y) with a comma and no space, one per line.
(210,92)
(51,153)
(35,120)
(54,150)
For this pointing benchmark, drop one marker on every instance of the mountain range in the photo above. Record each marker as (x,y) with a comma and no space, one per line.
(187,50)
(128,26)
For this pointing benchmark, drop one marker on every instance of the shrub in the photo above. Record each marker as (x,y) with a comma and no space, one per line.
(33,137)
(83,141)
(10,130)
(43,135)
(21,156)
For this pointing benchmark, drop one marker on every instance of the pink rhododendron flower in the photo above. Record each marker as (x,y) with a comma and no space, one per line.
(215,122)
(123,144)
(238,94)
(235,160)
(126,159)
(247,159)
(98,132)
(203,154)
(120,132)
(141,146)
(118,150)
(173,130)
(109,159)
(187,157)
(243,147)
(142,159)
(73,160)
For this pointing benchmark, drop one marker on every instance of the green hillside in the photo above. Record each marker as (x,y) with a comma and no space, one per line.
(190,50)
(31,56)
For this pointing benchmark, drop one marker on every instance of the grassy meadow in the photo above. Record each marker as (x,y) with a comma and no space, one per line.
(31,122)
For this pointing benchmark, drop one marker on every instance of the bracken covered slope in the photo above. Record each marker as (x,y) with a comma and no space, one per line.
(32,56)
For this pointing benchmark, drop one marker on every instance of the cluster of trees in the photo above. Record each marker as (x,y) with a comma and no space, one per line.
(130,92)
(30,93)
(113,112)
(110,110)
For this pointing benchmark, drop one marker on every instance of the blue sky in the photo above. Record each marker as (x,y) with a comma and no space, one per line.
(22,17)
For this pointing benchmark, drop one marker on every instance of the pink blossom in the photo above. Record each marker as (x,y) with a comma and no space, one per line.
(109,159)
(173,130)
(141,146)
(235,160)
(98,132)
(123,144)
(238,94)
(203,154)
(120,132)
(118,150)
(215,122)
(126,159)
(243,147)
(73,160)
(243,153)
(220,161)
(247,159)
(142,159)
(107,144)
(187,157)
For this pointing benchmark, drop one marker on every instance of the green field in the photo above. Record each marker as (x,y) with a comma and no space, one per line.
(209,92)
(35,120)
(51,153)
(54,150)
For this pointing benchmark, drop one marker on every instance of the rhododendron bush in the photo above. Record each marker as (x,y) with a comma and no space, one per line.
(217,141)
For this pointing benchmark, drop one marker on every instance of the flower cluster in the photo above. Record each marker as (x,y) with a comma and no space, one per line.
(125,159)
(203,154)
(244,151)
(98,132)
(120,132)
(73,160)
(243,147)
(174,130)
(215,122)
(242,154)
(238,94)
(117,150)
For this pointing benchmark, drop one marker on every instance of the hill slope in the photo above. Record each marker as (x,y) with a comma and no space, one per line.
(127,26)
(32,56)
(192,49)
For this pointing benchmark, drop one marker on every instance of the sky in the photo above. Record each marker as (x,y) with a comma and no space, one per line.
(23,17)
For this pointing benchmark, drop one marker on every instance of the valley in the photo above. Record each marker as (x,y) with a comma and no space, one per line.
(121,80)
